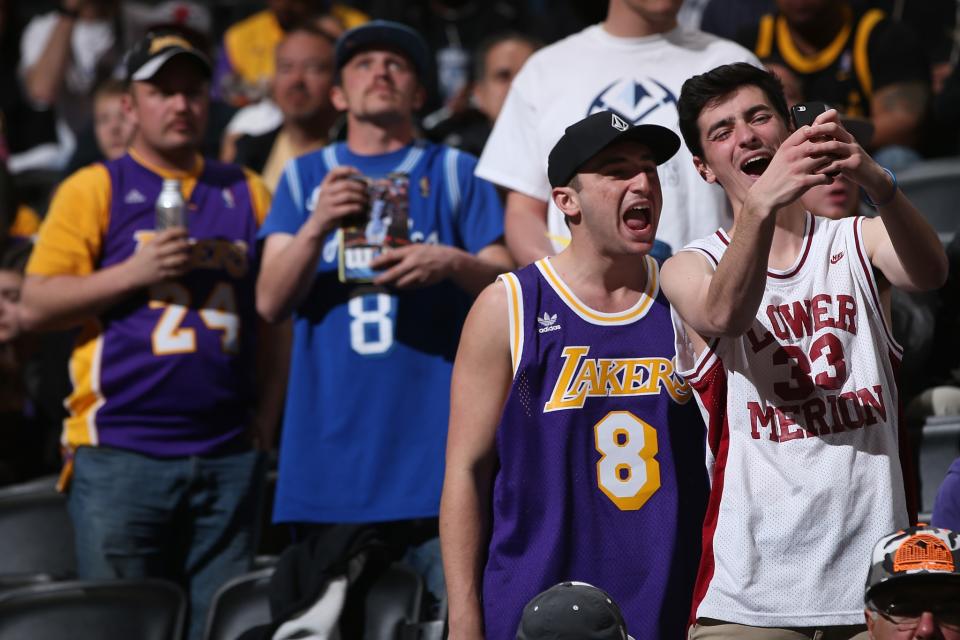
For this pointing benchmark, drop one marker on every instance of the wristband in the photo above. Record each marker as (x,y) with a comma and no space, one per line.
(68,13)
(888,199)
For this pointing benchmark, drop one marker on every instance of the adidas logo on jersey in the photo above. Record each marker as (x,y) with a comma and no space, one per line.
(547,323)
(134,197)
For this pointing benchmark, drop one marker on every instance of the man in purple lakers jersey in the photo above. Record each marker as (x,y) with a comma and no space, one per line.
(164,480)
(573,452)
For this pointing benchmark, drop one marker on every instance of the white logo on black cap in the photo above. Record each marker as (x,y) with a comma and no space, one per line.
(617,123)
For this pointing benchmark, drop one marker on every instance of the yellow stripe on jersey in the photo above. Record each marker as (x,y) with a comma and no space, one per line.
(823,58)
(515,317)
(764,37)
(260,195)
(861,60)
(25,224)
(71,235)
(80,428)
(188,179)
(635,312)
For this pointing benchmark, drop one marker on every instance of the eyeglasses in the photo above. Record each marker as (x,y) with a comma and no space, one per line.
(906,613)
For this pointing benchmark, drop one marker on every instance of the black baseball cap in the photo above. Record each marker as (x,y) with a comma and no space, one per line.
(572,611)
(585,139)
(156,49)
(384,32)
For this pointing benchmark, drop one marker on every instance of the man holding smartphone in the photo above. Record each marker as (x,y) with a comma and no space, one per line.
(785,343)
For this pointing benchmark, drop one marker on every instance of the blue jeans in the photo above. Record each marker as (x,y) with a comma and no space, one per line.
(191,520)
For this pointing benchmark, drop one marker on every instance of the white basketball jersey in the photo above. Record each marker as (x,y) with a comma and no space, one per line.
(804,453)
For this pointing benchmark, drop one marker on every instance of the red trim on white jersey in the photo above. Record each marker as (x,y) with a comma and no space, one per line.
(711,391)
(808,242)
(867,267)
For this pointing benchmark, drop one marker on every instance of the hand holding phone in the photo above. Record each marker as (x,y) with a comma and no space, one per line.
(805,113)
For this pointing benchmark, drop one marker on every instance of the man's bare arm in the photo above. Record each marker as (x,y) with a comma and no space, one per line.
(724,302)
(290,261)
(901,243)
(483,362)
(525,226)
(44,79)
(897,111)
(62,301)
(421,265)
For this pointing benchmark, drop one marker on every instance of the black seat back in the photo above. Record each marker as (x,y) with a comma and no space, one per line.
(144,609)
(240,604)
(34,522)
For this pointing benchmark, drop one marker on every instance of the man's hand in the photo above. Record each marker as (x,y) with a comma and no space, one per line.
(340,196)
(415,265)
(802,161)
(849,158)
(164,257)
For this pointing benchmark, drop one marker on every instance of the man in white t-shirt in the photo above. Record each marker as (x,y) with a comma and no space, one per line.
(63,53)
(633,64)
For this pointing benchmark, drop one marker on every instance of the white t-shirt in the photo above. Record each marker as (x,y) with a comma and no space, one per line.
(804,441)
(640,79)
(89,42)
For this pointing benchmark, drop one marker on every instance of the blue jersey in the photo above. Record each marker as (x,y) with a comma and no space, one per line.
(364,431)
(601,475)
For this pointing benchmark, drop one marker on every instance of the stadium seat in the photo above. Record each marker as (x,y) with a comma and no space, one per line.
(393,602)
(35,522)
(94,610)
(240,604)
(432,630)
(938,449)
(934,187)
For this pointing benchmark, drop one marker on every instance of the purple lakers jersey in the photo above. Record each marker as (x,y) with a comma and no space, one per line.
(167,372)
(601,476)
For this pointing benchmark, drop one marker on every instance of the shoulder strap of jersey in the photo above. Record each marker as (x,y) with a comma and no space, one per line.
(451,179)
(511,284)
(861,61)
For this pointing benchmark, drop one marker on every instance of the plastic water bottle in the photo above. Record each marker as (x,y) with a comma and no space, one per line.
(170,206)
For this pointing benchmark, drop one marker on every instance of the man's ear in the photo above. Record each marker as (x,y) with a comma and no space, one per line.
(870,622)
(567,200)
(704,170)
(337,98)
(419,98)
(129,104)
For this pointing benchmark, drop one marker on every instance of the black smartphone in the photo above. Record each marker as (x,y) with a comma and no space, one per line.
(805,113)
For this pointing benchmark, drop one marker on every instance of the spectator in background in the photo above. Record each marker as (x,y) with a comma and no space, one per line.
(453,29)
(112,127)
(633,63)
(162,473)
(860,62)
(365,421)
(728,18)
(245,65)
(64,54)
(301,89)
(497,61)
(913,586)
(21,441)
